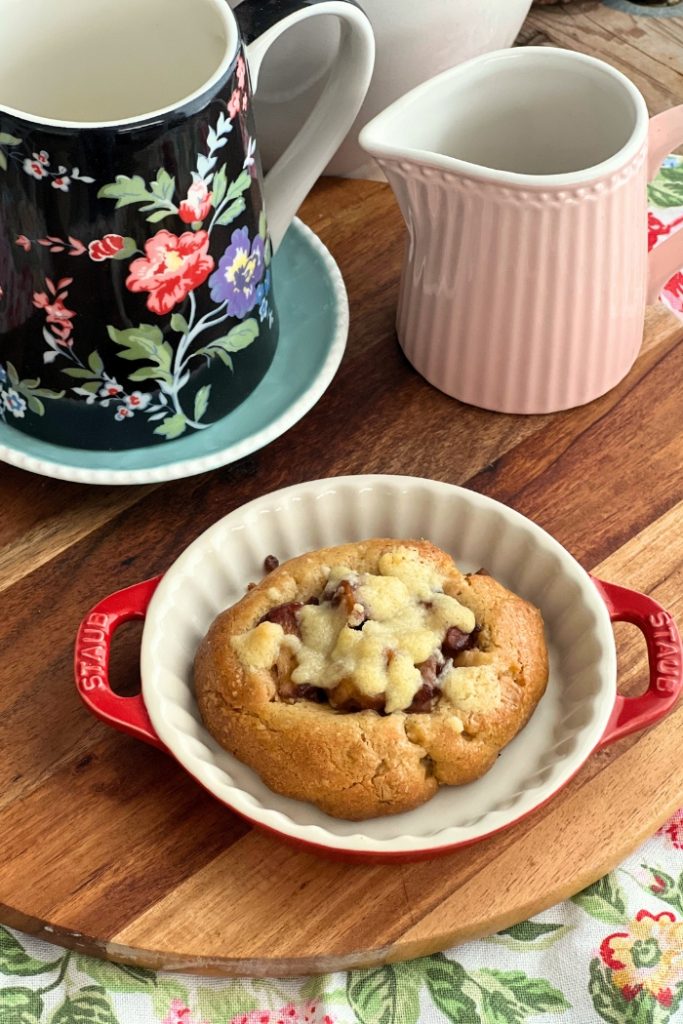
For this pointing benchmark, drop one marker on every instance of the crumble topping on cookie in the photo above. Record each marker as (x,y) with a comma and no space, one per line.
(371,636)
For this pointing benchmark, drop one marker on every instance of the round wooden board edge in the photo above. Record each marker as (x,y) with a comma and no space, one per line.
(396,952)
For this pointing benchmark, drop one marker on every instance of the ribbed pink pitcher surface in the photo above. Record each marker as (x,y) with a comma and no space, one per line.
(522,179)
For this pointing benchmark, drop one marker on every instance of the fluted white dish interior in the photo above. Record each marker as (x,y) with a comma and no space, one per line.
(214,571)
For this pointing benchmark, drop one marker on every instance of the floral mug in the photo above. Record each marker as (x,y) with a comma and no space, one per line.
(137,302)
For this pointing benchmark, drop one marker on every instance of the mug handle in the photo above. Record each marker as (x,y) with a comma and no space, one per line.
(665,661)
(261,22)
(666,132)
(91,662)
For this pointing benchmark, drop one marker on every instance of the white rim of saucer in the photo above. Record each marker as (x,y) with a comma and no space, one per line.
(231,453)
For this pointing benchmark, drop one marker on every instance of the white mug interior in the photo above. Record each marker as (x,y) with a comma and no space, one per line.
(536,111)
(110,61)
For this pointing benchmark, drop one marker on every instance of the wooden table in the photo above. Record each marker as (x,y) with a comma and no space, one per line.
(112,846)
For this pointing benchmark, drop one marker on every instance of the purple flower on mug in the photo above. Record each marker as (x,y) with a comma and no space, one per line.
(14,403)
(239,274)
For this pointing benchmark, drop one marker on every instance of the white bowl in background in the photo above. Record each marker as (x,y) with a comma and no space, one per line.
(415,41)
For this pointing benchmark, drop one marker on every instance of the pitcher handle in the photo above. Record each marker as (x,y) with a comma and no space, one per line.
(261,22)
(666,132)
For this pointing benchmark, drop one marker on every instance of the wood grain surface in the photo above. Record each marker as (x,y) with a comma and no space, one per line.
(108,846)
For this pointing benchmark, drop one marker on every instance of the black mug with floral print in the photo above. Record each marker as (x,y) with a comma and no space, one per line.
(136,298)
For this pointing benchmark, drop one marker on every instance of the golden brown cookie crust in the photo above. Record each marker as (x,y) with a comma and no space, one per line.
(362,764)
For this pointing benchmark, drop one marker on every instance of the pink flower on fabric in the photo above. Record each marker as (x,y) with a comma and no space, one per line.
(24,242)
(672,293)
(673,830)
(655,230)
(309,1013)
(198,203)
(241,72)
(171,268)
(178,1013)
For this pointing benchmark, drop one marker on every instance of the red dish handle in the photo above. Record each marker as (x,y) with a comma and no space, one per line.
(665,658)
(91,661)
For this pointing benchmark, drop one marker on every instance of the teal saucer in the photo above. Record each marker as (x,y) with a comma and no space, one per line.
(314,322)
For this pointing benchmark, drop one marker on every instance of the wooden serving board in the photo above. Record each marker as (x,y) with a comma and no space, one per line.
(108,846)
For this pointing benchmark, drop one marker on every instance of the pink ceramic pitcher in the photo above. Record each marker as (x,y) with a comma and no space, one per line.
(522,178)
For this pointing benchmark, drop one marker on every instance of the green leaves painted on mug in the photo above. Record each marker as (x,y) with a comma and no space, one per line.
(145,342)
(179,323)
(172,427)
(31,391)
(219,187)
(263,232)
(6,140)
(239,338)
(201,402)
(231,202)
(157,196)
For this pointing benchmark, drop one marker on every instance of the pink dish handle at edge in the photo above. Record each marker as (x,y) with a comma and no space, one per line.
(91,661)
(666,133)
(665,659)
(129,715)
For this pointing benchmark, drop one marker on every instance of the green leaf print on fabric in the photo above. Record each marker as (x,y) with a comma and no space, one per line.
(614,1008)
(666,190)
(218,1006)
(665,887)
(512,996)
(373,995)
(89,1006)
(315,989)
(445,979)
(15,960)
(165,992)
(20,1006)
(117,977)
(603,900)
(530,935)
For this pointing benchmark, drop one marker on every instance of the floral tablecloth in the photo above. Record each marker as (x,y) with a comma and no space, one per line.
(613,953)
